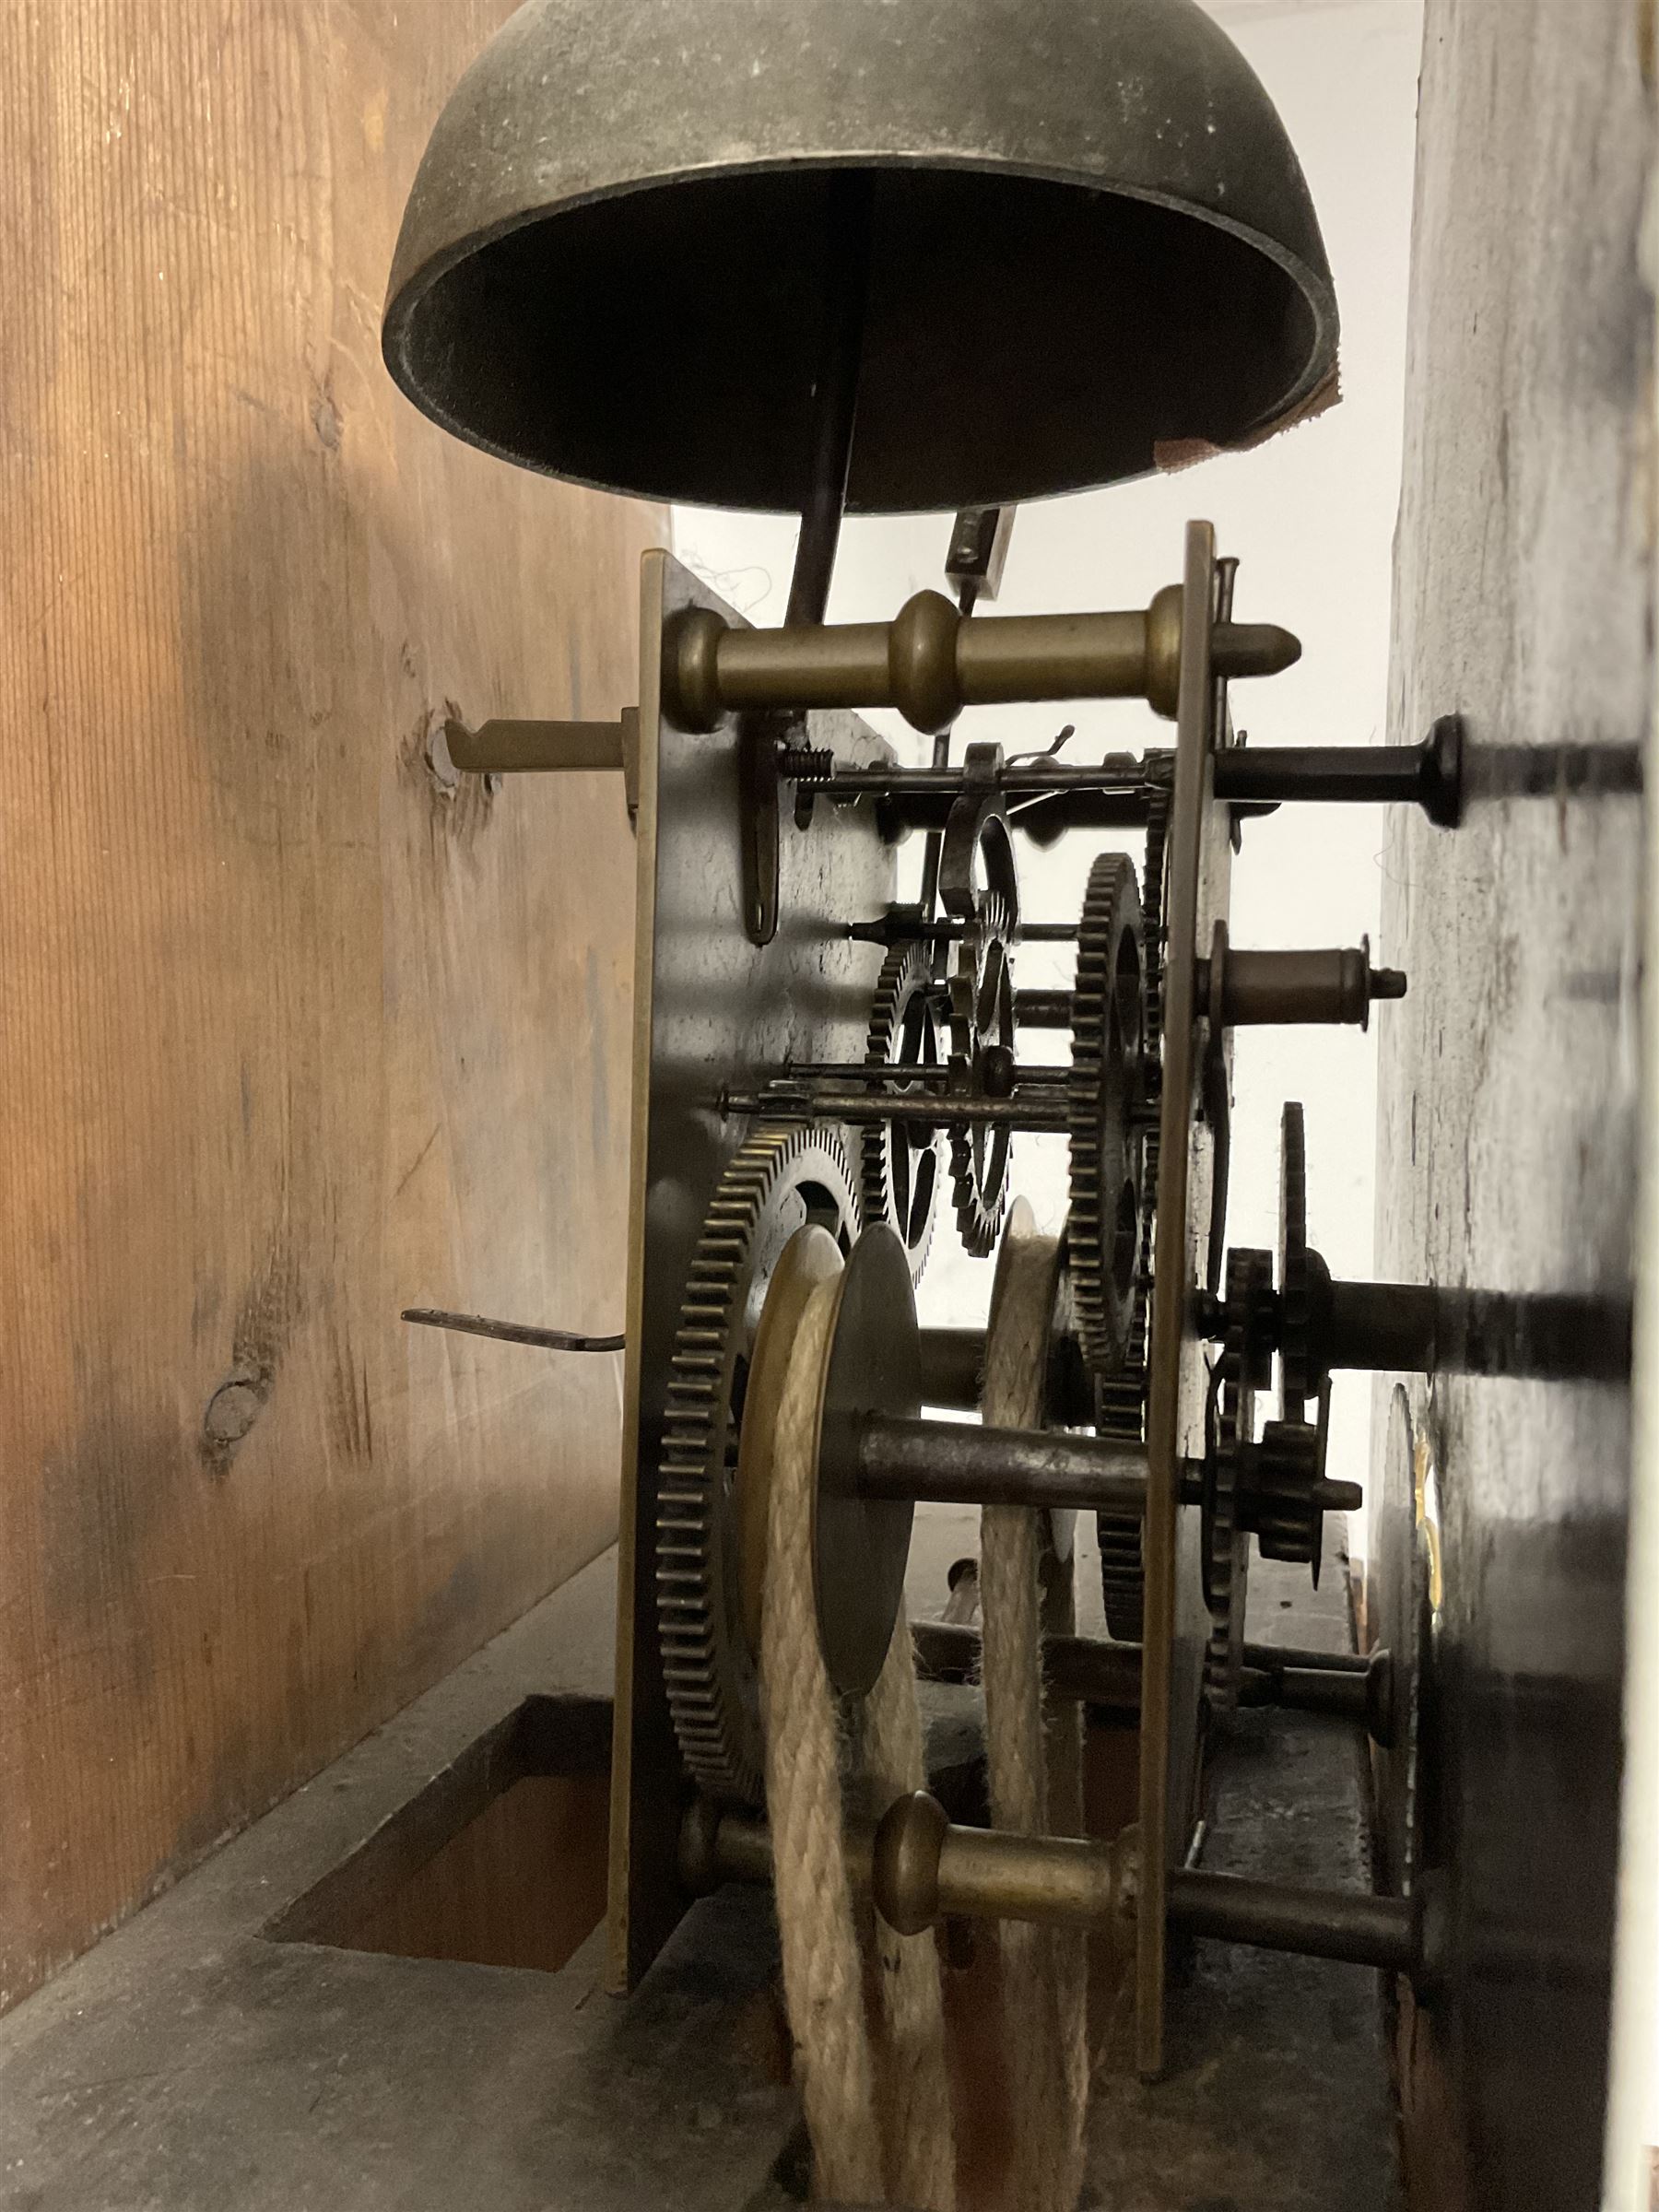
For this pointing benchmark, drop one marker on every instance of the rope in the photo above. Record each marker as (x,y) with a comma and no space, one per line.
(1035,1770)
(823,1968)
(921,2168)
(879,2114)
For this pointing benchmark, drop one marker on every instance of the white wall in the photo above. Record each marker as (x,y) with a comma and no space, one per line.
(1311,517)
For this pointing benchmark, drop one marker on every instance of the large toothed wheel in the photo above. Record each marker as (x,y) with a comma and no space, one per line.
(1123,1573)
(780,1180)
(1120,1398)
(1103,1100)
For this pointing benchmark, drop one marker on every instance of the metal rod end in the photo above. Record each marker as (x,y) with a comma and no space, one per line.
(1254,648)
(905,1869)
(699,1855)
(1440,772)
(510,1332)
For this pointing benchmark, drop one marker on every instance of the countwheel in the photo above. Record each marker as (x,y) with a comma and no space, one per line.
(981,1065)
(900,1168)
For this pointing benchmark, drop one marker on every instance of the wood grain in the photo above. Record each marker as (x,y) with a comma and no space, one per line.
(523,1885)
(1509,1105)
(294,1029)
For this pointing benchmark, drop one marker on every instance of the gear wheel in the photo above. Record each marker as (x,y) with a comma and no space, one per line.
(1152,917)
(1108,1033)
(981,1065)
(976,858)
(777,1182)
(1121,1399)
(1242,1367)
(1123,1575)
(898,1163)
(1299,1270)
(1288,1490)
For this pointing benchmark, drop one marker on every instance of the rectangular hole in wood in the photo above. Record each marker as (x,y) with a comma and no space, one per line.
(500,1860)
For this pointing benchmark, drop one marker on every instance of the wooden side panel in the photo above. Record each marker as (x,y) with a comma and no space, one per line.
(295,1027)
(1510,1101)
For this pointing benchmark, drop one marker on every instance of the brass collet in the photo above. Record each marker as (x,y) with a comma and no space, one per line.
(924,1869)
(932,662)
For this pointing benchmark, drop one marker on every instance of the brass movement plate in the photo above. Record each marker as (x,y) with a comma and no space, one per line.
(711,1010)
(1176,1621)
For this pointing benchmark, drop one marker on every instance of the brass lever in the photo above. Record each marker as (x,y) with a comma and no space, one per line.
(504,747)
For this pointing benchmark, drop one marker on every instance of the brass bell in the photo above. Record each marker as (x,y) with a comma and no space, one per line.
(1089,247)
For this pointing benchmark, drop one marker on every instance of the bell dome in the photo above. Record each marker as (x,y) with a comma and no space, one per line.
(1091,245)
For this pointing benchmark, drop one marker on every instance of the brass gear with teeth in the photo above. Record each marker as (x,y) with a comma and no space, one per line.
(1152,921)
(1103,1228)
(1123,1573)
(777,1183)
(900,1164)
(1121,1399)
(982,1023)
(1242,1367)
